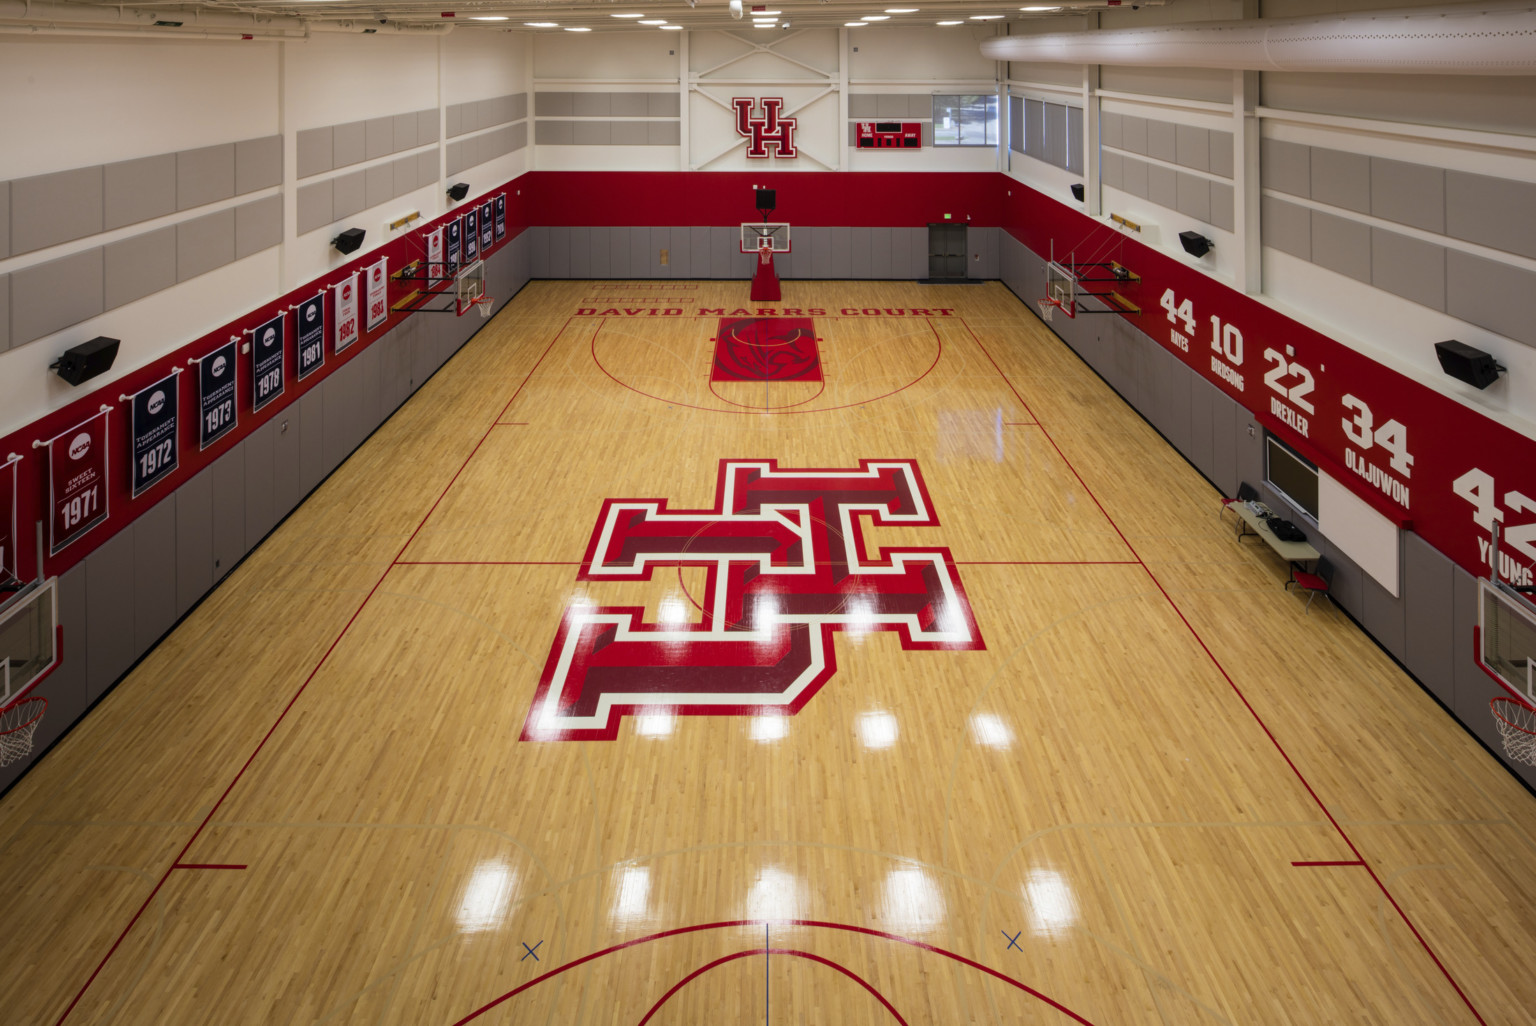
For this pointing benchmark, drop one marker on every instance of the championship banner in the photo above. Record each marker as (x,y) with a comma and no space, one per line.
(217,415)
(346,313)
(77,480)
(451,232)
(10,568)
(267,352)
(435,257)
(156,448)
(311,335)
(471,236)
(487,224)
(501,216)
(378,293)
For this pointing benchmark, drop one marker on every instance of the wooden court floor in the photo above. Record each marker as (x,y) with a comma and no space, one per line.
(1094,813)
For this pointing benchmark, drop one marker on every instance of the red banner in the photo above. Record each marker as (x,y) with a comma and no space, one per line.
(77,480)
(1415,454)
(347,327)
(10,567)
(378,294)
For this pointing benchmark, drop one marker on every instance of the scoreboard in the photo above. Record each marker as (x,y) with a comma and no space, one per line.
(890,135)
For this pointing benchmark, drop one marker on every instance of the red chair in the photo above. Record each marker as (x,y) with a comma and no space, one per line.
(1314,584)
(1245,493)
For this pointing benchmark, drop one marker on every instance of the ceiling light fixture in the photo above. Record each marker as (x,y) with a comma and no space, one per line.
(901,10)
(577,28)
(986,17)
(951,23)
(855,24)
(876,17)
(670,28)
(488,17)
(542,24)
(1039,8)
(626,15)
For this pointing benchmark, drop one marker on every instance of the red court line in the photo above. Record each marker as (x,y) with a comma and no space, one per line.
(282,715)
(813,923)
(1047,562)
(487,562)
(1351,862)
(206,865)
(701,970)
(1239,692)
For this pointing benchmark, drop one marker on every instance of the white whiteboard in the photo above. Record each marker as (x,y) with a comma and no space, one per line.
(1363,534)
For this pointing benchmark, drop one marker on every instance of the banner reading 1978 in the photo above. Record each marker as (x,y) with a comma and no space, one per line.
(267,353)
(501,216)
(487,223)
(471,235)
(10,569)
(77,480)
(217,415)
(311,335)
(156,449)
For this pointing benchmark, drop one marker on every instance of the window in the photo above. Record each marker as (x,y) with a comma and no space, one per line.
(1292,476)
(965,120)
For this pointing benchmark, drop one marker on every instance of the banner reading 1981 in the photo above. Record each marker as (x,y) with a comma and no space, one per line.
(217,415)
(10,569)
(311,335)
(452,231)
(471,235)
(267,353)
(501,216)
(77,481)
(487,224)
(155,445)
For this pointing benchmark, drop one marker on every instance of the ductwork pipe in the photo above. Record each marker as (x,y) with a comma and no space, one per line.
(58,18)
(1481,39)
(383,28)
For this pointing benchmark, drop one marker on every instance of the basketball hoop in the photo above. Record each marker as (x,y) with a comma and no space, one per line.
(1047,308)
(483,304)
(17,725)
(1517,726)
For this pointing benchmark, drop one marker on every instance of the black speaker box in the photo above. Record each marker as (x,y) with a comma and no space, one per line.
(1464,363)
(766,200)
(1077,191)
(458,190)
(85,361)
(1195,244)
(349,241)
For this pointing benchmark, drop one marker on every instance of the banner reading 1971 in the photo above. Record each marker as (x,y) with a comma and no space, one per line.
(77,480)
(501,216)
(487,225)
(347,328)
(311,335)
(156,450)
(10,569)
(452,231)
(378,293)
(471,235)
(267,353)
(217,415)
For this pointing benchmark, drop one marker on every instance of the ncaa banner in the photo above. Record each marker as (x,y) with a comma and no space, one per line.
(434,257)
(451,232)
(267,362)
(156,451)
(10,568)
(471,235)
(311,335)
(501,216)
(217,415)
(487,223)
(77,480)
(346,313)
(378,289)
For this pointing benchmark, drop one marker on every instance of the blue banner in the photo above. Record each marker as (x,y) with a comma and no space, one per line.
(311,331)
(267,362)
(217,415)
(156,449)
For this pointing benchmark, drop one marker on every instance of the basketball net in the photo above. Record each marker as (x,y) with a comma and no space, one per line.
(764,250)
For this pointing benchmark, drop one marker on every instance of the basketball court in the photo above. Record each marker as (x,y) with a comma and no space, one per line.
(860,658)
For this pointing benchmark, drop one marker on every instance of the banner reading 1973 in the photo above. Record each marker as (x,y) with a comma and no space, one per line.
(10,569)
(311,335)
(77,480)
(156,449)
(217,415)
(267,352)
(501,216)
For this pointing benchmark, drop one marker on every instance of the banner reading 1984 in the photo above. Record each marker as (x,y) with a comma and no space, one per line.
(217,415)
(10,569)
(378,293)
(501,216)
(487,224)
(155,445)
(267,353)
(311,335)
(77,480)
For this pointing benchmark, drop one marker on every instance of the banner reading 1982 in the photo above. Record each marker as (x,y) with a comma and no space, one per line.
(156,449)
(267,353)
(217,415)
(347,327)
(311,335)
(10,569)
(501,216)
(77,480)
(487,226)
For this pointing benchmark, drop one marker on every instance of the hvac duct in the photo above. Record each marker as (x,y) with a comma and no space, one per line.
(1472,39)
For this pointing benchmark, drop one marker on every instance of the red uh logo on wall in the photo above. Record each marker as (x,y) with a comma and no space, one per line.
(786,565)
(769,130)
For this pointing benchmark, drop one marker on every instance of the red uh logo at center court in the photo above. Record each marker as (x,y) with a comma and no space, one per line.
(769,130)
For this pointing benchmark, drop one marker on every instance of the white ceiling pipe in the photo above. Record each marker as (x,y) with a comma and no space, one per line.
(1471,39)
(383,28)
(146,32)
(59,16)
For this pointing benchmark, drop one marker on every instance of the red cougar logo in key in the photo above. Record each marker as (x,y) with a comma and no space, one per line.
(786,566)
(771,129)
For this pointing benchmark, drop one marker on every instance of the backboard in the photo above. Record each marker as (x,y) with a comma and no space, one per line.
(469,289)
(1506,643)
(754,232)
(1061,288)
(30,639)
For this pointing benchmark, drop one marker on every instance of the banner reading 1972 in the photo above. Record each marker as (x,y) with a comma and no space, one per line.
(347,327)
(10,569)
(156,449)
(217,415)
(311,335)
(487,226)
(77,480)
(267,351)
(501,216)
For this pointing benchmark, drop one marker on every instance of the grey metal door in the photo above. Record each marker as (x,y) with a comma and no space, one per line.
(946,251)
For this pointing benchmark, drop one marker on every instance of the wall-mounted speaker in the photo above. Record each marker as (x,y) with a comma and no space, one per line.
(349,241)
(1195,244)
(458,190)
(85,361)
(766,199)
(1077,191)
(1464,363)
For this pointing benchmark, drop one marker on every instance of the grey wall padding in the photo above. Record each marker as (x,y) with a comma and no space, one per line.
(60,207)
(332,147)
(139,266)
(109,641)
(205,244)
(1408,267)
(154,576)
(1286,226)
(138,190)
(1285,167)
(1192,147)
(1341,245)
(258,164)
(5,219)
(314,151)
(347,144)
(314,206)
(205,175)
(1494,212)
(1411,194)
(1016,123)
(1341,179)
(258,226)
(1492,294)
(5,312)
(50,296)
(348,194)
